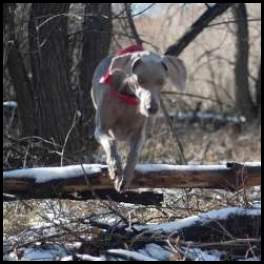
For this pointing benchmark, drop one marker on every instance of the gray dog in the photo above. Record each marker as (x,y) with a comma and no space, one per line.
(125,93)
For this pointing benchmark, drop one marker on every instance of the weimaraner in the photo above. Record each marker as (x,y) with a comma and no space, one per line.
(125,93)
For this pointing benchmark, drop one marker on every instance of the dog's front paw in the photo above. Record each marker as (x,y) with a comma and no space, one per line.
(114,172)
(120,184)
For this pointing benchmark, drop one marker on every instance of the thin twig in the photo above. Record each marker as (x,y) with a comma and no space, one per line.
(25,157)
(232,242)
(18,140)
(171,126)
(233,21)
(136,14)
(76,118)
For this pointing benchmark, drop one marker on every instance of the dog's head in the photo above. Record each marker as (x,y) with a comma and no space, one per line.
(145,73)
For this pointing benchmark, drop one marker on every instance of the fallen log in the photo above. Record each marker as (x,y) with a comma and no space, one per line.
(232,230)
(91,181)
(218,119)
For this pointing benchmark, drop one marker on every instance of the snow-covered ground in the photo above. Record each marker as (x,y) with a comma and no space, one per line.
(52,251)
(202,219)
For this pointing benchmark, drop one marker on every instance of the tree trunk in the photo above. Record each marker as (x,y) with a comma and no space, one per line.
(17,71)
(97,29)
(258,92)
(54,103)
(242,94)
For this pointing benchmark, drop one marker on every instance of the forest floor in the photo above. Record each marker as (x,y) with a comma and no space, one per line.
(202,145)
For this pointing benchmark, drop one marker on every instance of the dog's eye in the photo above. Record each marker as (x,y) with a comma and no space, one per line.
(141,81)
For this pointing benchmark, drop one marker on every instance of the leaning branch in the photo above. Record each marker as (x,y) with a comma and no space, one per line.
(197,27)
(91,181)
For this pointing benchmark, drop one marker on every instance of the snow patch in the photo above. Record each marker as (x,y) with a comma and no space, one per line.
(47,253)
(130,254)
(144,168)
(197,254)
(202,218)
(155,251)
(45,174)
(11,104)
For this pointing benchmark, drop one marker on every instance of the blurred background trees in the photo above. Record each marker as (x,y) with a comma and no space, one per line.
(50,51)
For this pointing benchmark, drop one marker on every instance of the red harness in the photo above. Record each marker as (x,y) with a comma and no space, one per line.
(107,78)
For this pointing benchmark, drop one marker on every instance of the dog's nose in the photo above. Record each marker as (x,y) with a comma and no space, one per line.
(153,109)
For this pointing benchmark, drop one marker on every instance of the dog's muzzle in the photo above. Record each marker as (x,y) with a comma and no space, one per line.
(153,108)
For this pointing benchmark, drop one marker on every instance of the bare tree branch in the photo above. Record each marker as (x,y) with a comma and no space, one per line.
(233,21)
(197,27)
(131,23)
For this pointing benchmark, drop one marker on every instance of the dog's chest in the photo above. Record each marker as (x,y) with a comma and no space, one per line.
(122,120)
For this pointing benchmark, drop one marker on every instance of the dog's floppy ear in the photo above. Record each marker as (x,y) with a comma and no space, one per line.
(176,71)
(120,63)
(118,79)
(135,62)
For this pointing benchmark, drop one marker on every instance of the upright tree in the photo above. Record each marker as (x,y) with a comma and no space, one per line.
(243,98)
(17,71)
(47,103)
(53,97)
(258,91)
(97,32)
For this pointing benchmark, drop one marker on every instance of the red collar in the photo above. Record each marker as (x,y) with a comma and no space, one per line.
(125,98)
(107,78)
